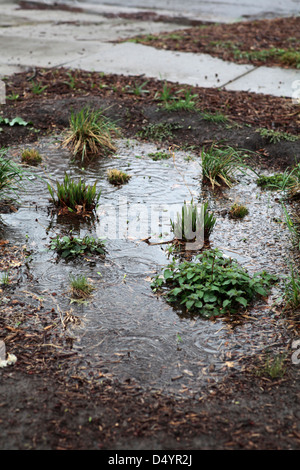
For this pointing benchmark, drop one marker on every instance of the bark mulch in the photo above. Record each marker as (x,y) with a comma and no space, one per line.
(260,42)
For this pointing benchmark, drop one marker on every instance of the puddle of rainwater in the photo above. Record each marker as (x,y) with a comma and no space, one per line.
(125,329)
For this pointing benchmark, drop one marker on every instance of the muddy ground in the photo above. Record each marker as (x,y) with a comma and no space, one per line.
(42,405)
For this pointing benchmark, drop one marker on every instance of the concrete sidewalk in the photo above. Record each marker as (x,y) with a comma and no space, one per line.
(85,40)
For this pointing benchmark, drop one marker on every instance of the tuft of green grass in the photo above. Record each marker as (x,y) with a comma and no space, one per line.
(212,285)
(220,165)
(74,196)
(273,368)
(214,117)
(90,134)
(186,103)
(194,221)
(117,177)
(159,131)
(31,157)
(80,287)
(238,211)
(11,176)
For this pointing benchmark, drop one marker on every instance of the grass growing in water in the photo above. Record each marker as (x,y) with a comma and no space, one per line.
(80,287)
(31,157)
(194,221)
(11,176)
(212,285)
(90,133)
(238,211)
(117,177)
(74,196)
(220,165)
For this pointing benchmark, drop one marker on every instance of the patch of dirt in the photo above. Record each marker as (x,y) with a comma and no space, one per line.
(238,42)
(44,405)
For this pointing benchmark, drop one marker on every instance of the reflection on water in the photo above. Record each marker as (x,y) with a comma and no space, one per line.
(125,329)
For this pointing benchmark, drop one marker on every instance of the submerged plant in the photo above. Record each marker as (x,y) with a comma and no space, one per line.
(90,133)
(220,165)
(71,246)
(74,196)
(117,177)
(193,222)
(212,285)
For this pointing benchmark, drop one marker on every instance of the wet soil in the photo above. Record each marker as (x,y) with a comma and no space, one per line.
(43,406)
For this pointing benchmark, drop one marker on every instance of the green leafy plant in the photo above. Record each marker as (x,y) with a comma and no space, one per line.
(70,246)
(12,122)
(31,157)
(212,285)
(220,165)
(194,221)
(276,136)
(117,177)
(74,196)
(274,182)
(11,176)
(90,134)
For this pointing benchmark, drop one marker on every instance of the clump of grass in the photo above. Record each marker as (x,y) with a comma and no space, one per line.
(275,182)
(214,117)
(159,156)
(292,290)
(90,134)
(274,367)
(220,165)
(158,131)
(74,197)
(212,285)
(238,211)
(194,222)
(186,103)
(4,280)
(117,177)
(70,246)
(11,176)
(31,157)
(80,287)
(276,136)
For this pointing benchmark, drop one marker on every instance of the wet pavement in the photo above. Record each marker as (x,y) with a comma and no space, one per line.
(86,40)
